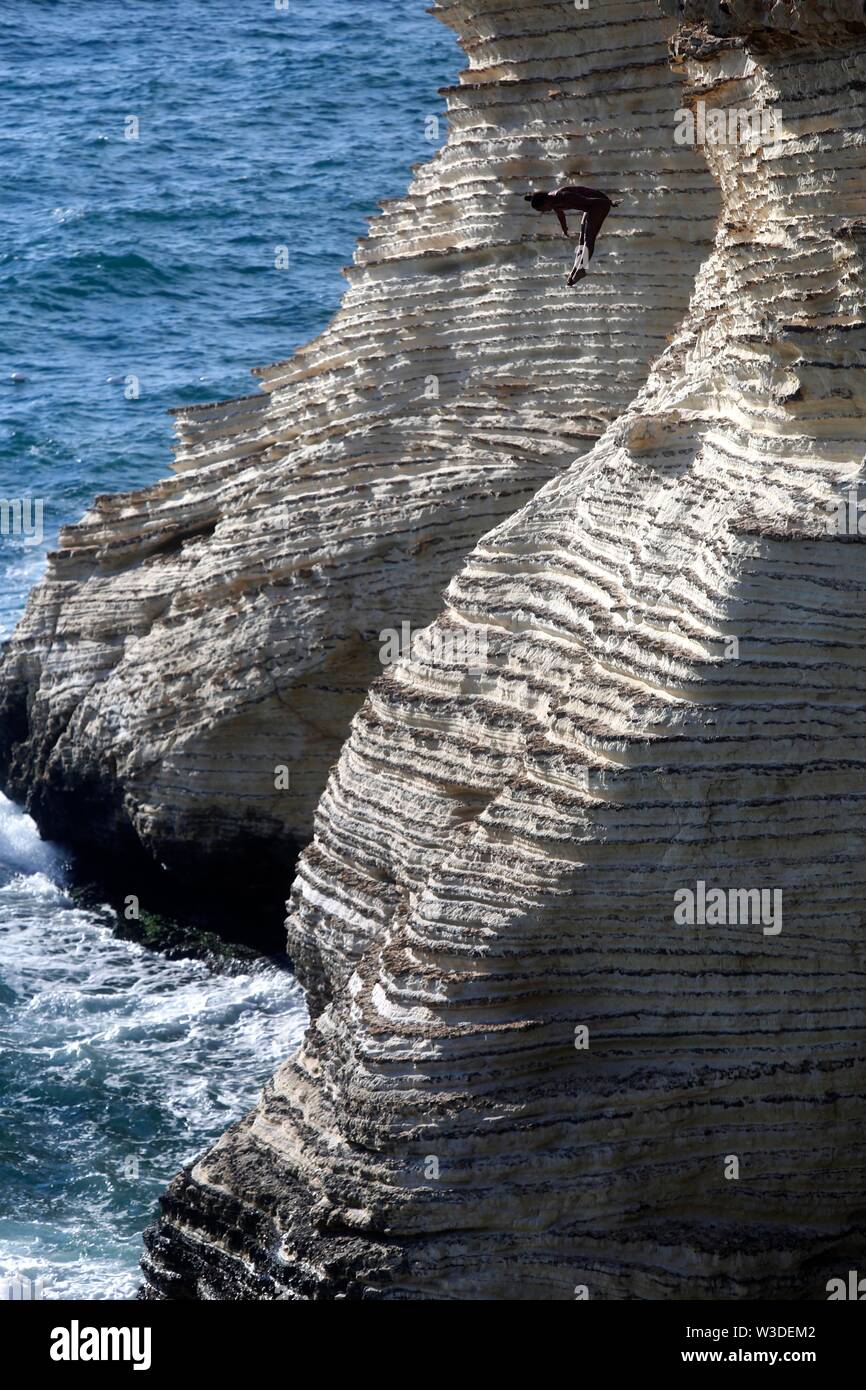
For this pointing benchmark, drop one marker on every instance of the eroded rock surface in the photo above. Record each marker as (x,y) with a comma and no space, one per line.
(191,637)
(672,695)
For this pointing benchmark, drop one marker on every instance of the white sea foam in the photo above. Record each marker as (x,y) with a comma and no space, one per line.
(117,1068)
(22,567)
(21,845)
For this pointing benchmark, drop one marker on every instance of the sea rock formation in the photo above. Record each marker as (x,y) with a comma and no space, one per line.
(192,638)
(541,1067)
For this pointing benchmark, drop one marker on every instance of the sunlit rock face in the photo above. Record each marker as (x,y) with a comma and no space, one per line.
(583,922)
(192,638)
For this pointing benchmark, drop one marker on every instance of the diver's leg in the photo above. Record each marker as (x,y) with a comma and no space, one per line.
(594,220)
(581,256)
(589,229)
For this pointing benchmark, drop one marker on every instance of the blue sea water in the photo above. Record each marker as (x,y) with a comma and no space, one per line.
(154,258)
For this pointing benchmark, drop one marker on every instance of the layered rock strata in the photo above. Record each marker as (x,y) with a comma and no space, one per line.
(535,1072)
(191,638)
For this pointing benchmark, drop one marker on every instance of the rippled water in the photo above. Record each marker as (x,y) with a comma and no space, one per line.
(154,258)
(116,1067)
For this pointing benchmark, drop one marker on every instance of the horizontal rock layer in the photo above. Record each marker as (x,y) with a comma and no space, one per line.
(672,694)
(194,636)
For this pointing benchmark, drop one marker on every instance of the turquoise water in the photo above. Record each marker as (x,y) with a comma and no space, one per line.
(153,258)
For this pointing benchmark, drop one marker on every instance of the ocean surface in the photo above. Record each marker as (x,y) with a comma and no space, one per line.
(154,155)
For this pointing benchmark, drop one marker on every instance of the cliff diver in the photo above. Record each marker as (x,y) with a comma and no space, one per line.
(594,205)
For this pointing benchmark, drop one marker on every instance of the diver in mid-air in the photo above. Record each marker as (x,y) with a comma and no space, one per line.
(594,205)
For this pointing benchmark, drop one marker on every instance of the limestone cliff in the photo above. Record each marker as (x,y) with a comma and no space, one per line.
(528,1075)
(191,638)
